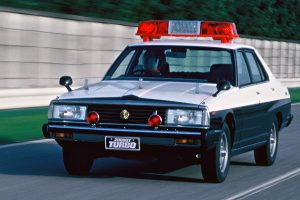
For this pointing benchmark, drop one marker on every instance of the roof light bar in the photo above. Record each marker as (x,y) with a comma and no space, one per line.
(154,29)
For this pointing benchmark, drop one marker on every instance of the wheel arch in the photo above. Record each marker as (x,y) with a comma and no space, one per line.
(230,121)
(225,116)
(279,119)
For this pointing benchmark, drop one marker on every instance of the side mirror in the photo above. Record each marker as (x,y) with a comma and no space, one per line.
(66,81)
(222,85)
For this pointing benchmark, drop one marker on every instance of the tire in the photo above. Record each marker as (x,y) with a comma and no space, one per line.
(77,161)
(266,155)
(216,161)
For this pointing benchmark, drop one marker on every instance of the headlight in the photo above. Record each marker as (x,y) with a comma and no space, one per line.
(188,117)
(68,112)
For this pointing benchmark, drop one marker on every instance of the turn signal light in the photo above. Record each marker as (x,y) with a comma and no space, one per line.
(62,135)
(186,141)
(155,120)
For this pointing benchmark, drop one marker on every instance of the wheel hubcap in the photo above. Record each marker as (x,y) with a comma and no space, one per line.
(273,140)
(223,152)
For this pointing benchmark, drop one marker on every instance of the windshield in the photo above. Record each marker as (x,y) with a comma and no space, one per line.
(175,63)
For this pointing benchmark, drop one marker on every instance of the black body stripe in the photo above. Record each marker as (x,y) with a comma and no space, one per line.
(252,123)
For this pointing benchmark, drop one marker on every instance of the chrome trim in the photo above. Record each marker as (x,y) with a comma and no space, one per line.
(125,124)
(105,131)
(67,121)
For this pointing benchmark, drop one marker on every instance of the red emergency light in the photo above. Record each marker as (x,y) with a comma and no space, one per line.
(155,120)
(92,117)
(154,29)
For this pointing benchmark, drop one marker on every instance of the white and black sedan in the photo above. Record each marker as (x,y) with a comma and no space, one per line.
(203,101)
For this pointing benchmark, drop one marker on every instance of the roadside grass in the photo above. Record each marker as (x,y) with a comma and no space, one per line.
(20,125)
(295,94)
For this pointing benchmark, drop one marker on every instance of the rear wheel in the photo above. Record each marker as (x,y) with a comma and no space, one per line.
(216,161)
(77,161)
(266,155)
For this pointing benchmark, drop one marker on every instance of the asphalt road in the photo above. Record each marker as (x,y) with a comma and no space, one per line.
(36,171)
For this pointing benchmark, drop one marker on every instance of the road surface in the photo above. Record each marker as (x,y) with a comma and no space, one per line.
(36,171)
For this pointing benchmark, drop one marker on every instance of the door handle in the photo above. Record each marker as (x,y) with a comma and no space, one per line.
(258,93)
(273,89)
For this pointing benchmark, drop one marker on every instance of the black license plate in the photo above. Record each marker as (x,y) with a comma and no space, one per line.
(122,143)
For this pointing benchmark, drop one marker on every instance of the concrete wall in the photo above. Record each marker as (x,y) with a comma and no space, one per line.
(36,50)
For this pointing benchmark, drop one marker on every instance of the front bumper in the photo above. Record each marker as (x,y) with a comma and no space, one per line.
(205,139)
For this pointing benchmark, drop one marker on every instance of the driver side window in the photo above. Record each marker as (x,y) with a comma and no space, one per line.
(121,70)
(140,64)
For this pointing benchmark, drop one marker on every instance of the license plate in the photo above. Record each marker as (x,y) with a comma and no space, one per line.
(122,143)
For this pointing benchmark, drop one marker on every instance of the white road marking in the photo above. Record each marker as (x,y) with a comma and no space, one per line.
(295,104)
(266,185)
(26,143)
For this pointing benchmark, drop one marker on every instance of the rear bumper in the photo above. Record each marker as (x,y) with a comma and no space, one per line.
(152,139)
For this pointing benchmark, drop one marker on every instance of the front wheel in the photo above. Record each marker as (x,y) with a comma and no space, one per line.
(77,161)
(216,161)
(266,155)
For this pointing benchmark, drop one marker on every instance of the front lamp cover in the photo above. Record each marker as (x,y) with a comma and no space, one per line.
(187,117)
(68,112)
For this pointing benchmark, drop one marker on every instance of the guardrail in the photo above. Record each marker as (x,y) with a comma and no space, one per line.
(28,97)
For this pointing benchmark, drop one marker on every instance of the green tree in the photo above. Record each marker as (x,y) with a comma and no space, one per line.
(270,18)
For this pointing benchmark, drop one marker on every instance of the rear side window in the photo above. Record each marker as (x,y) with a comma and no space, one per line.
(243,73)
(255,70)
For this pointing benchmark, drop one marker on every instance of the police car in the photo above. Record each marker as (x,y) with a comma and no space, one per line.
(202,100)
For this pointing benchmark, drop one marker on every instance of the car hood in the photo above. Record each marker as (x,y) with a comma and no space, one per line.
(184,92)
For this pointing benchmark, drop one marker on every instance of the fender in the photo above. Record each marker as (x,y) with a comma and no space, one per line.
(218,118)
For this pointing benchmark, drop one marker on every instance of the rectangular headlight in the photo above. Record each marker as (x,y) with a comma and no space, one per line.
(67,112)
(188,117)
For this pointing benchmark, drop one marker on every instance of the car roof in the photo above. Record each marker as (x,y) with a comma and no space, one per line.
(194,43)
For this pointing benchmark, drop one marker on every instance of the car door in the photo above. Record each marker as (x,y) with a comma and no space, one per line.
(265,93)
(248,114)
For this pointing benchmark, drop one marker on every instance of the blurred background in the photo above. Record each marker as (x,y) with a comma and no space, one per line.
(43,40)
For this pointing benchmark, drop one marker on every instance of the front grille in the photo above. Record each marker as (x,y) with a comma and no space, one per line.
(138,114)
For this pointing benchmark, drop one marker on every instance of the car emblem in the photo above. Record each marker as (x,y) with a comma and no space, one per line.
(124,114)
